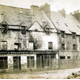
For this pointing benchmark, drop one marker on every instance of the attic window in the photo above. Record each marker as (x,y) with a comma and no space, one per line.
(66,25)
(36,30)
(73,35)
(23,30)
(57,23)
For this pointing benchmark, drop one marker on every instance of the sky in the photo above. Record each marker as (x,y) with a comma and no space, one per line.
(68,5)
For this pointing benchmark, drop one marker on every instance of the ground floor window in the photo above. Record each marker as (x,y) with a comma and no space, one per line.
(17,62)
(62,57)
(3,63)
(30,61)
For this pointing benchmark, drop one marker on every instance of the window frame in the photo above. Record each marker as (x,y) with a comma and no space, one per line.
(50,45)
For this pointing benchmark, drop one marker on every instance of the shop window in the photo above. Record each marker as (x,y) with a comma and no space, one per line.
(62,46)
(49,45)
(30,62)
(4,45)
(74,47)
(62,57)
(73,35)
(62,34)
(3,63)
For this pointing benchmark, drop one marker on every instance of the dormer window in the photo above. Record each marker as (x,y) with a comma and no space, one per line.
(4,30)
(73,35)
(23,30)
(62,34)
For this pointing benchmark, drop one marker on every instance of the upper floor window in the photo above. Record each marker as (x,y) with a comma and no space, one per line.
(74,47)
(62,34)
(49,45)
(73,35)
(4,45)
(23,30)
(17,46)
(62,46)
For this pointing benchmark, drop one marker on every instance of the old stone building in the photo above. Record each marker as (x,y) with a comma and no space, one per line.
(38,38)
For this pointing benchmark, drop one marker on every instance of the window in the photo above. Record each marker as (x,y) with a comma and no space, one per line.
(4,45)
(3,63)
(30,61)
(74,47)
(74,35)
(17,46)
(66,25)
(23,30)
(62,57)
(63,47)
(79,39)
(62,34)
(4,28)
(68,57)
(49,45)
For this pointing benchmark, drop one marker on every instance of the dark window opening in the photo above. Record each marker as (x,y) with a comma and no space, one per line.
(23,29)
(74,47)
(4,28)
(74,35)
(62,34)
(62,57)
(63,47)
(17,46)
(36,30)
(3,63)
(68,57)
(49,45)
(30,62)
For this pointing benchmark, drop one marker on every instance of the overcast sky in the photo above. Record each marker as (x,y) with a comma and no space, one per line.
(68,5)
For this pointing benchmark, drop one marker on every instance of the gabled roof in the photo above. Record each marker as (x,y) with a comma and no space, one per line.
(15,16)
(36,26)
(68,23)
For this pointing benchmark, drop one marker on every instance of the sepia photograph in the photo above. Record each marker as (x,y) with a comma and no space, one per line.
(39,39)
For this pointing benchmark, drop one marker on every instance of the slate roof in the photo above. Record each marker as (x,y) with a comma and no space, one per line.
(68,23)
(15,16)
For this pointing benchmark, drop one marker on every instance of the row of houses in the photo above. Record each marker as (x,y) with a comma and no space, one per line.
(38,38)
